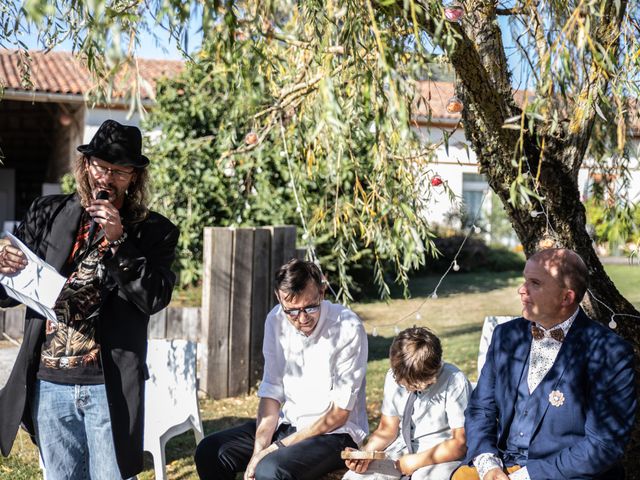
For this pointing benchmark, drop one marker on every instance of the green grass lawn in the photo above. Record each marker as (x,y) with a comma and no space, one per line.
(456,316)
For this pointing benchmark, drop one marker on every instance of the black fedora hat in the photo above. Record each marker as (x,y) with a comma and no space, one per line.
(118,144)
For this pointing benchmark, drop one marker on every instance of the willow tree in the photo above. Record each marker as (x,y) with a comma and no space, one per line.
(339,81)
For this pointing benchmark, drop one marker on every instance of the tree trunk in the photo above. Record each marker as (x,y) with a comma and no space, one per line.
(483,84)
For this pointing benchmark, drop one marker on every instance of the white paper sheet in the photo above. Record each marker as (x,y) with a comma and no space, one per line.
(37,286)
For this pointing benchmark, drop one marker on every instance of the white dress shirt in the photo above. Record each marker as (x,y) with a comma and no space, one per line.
(542,356)
(306,374)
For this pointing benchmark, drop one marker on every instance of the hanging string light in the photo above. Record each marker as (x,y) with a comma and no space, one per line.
(311,251)
(612,320)
(550,240)
(454,262)
(454,265)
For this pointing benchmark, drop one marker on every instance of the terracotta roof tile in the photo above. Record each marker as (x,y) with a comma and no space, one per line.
(64,73)
(433,97)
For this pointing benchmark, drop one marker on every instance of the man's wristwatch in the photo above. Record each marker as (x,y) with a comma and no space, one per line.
(119,241)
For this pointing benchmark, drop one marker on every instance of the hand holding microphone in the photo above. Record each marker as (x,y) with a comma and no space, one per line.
(105,214)
(102,195)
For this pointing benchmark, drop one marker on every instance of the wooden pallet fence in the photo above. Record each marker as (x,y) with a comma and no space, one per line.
(171,322)
(12,321)
(239,268)
(176,322)
(238,284)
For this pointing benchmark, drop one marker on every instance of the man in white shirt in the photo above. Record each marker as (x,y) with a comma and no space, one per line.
(312,394)
(556,397)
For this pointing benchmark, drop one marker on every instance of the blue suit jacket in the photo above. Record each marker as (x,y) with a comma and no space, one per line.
(585,435)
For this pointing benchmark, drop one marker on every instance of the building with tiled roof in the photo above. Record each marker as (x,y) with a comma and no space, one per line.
(456,164)
(45,114)
(62,76)
(42,122)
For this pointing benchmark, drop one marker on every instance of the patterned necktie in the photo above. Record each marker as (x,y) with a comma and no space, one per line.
(406,420)
(538,333)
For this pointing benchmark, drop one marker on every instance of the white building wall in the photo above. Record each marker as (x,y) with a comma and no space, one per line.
(96,116)
(452,164)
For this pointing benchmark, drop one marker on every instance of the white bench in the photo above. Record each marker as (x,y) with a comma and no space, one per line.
(490,323)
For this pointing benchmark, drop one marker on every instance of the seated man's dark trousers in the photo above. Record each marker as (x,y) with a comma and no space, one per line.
(221,455)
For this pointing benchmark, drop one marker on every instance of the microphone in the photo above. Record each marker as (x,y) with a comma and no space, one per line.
(102,195)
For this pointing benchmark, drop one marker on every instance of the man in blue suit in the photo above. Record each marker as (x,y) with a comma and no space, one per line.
(556,397)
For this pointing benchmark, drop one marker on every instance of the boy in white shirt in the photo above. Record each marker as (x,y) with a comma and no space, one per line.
(422,423)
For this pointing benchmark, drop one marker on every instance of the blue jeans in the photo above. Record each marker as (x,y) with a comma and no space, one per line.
(73,431)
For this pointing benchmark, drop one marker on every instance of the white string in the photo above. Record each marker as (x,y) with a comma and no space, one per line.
(434,293)
(543,211)
(612,322)
(305,235)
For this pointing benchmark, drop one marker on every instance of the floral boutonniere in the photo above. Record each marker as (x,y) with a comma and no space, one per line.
(556,398)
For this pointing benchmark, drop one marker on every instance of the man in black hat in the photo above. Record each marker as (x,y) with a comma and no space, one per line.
(78,384)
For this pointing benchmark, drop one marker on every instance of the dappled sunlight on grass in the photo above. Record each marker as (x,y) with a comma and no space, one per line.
(455,312)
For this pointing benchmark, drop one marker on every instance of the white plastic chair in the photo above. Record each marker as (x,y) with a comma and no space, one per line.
(490,323)
(171,400)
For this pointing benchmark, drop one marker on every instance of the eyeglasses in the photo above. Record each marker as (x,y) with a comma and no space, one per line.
(117,174)
(295,312)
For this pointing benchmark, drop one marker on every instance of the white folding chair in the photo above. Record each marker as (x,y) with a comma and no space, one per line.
(171,400)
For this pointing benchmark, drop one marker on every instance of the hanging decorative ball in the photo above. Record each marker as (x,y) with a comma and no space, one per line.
(455,105)
(418,316)
(547,242)
(240,35)
(477,229)
(436,181)
(535,213)
(251,138)
(456,267)
(454,12)
(434,295)
(613,324)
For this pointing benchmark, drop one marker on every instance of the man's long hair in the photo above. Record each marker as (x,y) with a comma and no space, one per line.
(135,203)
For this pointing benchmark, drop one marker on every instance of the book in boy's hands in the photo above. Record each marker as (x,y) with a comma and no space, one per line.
(363,455)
